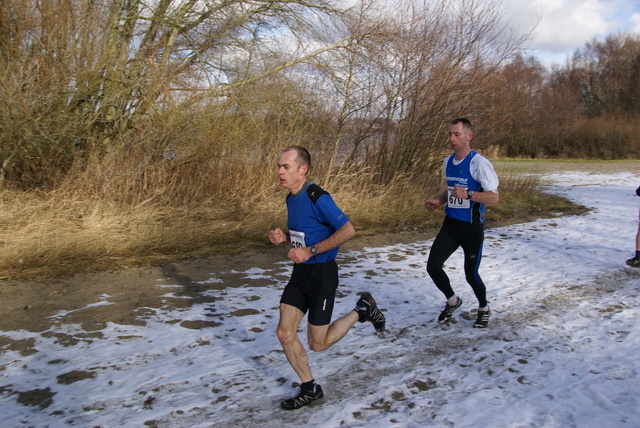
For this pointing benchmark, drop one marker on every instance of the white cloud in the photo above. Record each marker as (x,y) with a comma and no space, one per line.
(634,24)
(566,25)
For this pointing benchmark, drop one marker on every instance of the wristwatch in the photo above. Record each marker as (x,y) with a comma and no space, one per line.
(469,194)
(314,250)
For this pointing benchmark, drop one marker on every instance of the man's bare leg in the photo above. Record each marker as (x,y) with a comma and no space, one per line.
(322,337)
(290,318)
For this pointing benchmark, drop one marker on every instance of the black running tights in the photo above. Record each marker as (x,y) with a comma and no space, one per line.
(454,234)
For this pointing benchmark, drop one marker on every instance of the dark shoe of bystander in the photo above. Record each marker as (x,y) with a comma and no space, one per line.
(633,262)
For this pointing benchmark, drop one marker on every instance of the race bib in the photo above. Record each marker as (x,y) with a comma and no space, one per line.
(297,239)
(458,203)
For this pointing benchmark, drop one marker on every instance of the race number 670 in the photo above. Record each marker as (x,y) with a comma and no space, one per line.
(454,201)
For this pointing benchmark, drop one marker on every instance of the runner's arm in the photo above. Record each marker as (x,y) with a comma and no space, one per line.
(338,238)
(432,204)
(484,197)
(277,236)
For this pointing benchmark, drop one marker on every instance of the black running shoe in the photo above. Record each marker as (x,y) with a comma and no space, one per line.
(483,319)
(633,262)
(367,310)
(303,398)
(445,315)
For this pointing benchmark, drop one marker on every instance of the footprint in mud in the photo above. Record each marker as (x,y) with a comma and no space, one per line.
(421,385)
(370,274)
(620,335)
(546,366)
(75,376)
(63,338)
(42,398)
(245,312)
(199,324)
(24,346)
(397,257)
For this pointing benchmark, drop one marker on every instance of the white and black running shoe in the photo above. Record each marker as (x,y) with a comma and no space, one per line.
(303,398)
(482,321)
(445,315)
(367,310)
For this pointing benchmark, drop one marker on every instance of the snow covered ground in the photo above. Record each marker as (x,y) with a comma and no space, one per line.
(562,348)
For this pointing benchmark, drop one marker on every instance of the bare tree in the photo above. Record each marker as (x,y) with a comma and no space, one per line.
(108,65)
(608,74)
(438,57)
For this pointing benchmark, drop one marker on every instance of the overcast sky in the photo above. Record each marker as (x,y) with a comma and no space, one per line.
(566,25)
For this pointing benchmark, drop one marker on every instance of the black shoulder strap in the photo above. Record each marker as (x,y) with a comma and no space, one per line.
(314,191)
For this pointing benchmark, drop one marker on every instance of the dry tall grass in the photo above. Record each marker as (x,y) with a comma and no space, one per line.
(62,232)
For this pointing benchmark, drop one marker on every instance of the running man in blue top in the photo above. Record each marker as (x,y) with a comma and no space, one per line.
(316,229)
(471,183)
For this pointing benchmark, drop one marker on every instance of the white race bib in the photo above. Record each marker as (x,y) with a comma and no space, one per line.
(458,203)
(297,239)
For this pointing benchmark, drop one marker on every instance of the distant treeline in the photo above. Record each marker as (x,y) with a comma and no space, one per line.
(176,101)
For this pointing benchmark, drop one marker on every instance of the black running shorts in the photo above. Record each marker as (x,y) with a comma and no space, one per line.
(312,288)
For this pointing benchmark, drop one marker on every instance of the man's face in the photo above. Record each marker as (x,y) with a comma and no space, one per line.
(459,138)
(290,173)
